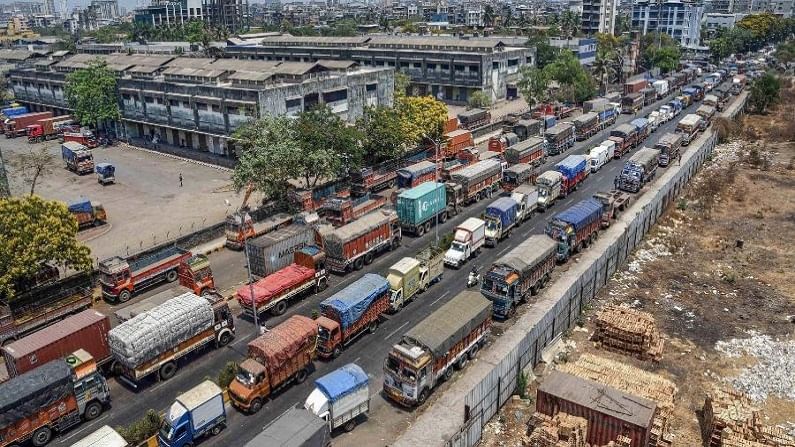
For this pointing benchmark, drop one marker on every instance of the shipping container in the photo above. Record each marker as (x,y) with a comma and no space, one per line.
(275,250)
(420,204)
(595,105)
(635,86)
(456,141)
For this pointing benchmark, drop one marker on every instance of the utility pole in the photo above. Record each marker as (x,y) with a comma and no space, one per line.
(5,190)
(437,173)
(251,290)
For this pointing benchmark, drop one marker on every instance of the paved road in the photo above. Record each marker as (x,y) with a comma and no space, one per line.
(368,352)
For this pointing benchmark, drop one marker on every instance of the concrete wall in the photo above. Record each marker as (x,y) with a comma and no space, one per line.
(457,418)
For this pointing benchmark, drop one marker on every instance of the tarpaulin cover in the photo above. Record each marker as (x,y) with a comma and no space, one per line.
(274,285)
(80,206)
(581,213)
(477,172)
(407,174)
(105,168)
(623,131)
(449,324)
(342,381)
(529,253)
(645,158)
(558,129)
(571,166)
(639,123)
(350,303)
(504,208)
(154,332)
(24,395)
(519,150)
(585,120)
(295,428)
(336,239)
(283,342)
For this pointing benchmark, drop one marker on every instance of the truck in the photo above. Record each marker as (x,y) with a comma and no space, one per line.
(596,104)
(677,106)
(607,115)
(157,340)
(625,137)
(121,277)
(688,127)
(712,100)
(273,293)
(519,274)
(641,127)
(502,142)
(40,305)
(340,211)
(351,312)
(196,413)
(105,436)
(517,175)
(655,120)
(525,129)
(410,277)
(239,227)
(106,173)
(632,103)
(530,151)
(649,95)
(661,87)
(706,113)
(416,174)
(468,238)
(526,197)
(575,228)
(276,249)
(341,397)
(700,91)
(639,170)
(50,399)
(47,128)
(77,157)
(418,207)
(457,141)
(87,213)
(500,217)
(82,136)
(278,357)
(666,113)
(18,125)
(574,170)
(559,138)
(475,182)
(738,84)
(85,330)
(597,158)
(610,145)
(669,146)
(370,179)
(613,203)
(635,86)
(352,246)
(549,185)
(429,352)
(296,427)
(12,111)
(473,118)
(586,125)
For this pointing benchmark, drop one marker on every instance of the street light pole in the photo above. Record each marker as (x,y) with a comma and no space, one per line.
(251,288)
(437,175)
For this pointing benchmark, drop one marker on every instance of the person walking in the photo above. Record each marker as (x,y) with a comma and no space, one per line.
(679,159)
(180,180)
(615,183)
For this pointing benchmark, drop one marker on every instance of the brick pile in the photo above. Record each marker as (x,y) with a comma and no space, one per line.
(629,332)
(731,420)
(561,430)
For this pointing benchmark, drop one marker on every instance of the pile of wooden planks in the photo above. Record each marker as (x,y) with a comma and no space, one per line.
(561,430)
(731,420)
(629,332)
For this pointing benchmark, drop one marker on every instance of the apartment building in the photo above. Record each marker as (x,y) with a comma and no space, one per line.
(679,19)
(583,48)
(229,14)
(599,16)
(449,68)
(198,103)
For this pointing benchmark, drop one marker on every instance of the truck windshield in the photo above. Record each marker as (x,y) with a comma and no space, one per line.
(543,192)
(395,366)
(166,430)
(458,246)
(245,377)
(323,334)
(492,225)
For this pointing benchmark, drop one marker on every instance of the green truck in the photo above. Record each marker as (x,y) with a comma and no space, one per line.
(412,276)
(419,206)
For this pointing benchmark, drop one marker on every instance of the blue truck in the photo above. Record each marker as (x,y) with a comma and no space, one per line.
(575,228)
(341,397)
(574,169)
(418,207)
(196,413)
(639,170)
(500,219)
(642,127)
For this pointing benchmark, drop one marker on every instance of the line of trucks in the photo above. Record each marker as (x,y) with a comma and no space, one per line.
(43,126)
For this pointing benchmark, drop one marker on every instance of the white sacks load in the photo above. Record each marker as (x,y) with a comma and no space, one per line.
(158,330)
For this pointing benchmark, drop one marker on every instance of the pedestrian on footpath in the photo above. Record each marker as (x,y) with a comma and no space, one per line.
(180,180)
(679,159)
(615,183)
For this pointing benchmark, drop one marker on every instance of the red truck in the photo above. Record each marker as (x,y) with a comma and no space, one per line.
(351,246)
(195,274)
(635,86)
(47,128)
(86,330)
(84,137)
(279,356)
(529,151)
(501,143)
(586,125)
(18,125)
(372,180)
(274,292)
(342,211)
(122,277)
(346,315)
(456,141)
(474,182)
(41,305)
(626,137)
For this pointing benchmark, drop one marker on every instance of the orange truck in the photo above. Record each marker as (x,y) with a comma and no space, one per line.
(18,125)
(501,143)
(340,211)
(83,136)
(456,141)
(280,356)
(352,246)
(47,128)
(121,277)
(350,312)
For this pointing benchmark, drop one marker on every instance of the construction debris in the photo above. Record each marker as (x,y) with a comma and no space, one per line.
(629,332)
(561,430)
(774,371)
(731,420)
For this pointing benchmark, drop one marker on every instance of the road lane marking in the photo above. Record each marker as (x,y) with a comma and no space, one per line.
(440,297)
(504,250)
(396,330)
(86,427)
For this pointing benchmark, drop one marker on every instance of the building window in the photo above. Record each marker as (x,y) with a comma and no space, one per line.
(186,104)
(149,99)
(232,110)
(125,97)
(417,65)
(216,108)
(371,87)
(513,62)
(337,95)
(159,100)
(201,106)
(495,65)
(459,68)
(293,103)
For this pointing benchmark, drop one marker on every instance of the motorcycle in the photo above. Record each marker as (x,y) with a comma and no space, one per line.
(473,279)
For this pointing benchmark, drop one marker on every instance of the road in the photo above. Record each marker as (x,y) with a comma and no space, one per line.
(369,351)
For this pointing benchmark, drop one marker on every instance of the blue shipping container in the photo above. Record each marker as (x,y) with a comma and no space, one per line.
(420,203)
(503,208)
(80,206)
(571,166)
(351,302)
(343,381)
(581,213)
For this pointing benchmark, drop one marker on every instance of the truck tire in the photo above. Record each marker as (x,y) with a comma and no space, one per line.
(124,296)
(336,352)
(368,258)
(256,406)
(423,397)
(462,362)
(215,431)
(358,263)
(321,286)
(420,230)
(300,376)
(373,326)
(428,226)
(280,308)
(448,374)
(41,436)
(93,410)
(224,339)
(443,217)
(473,351)
(167,370)
(171,275)
(349,426)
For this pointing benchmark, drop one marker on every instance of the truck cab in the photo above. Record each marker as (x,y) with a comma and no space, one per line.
(195,274)
(196,413)
(563,233)
(549,184)
(411,372)
(252,384)
(467,241)
(406,278)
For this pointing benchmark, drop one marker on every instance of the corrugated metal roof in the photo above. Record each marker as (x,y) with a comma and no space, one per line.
(191,62)
(15,55)
(199,72)
(44,337)
(250,76)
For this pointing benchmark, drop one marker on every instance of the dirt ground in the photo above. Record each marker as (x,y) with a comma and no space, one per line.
(716,273)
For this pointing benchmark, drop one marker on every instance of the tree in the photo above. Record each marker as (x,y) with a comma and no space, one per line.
(660,50)
(267,149)
(227,374)
(569,23)
(382,134)
(623,24)
(479,99)
(604,68)
(764,92)
(666,59)
(421,116)
(533,84)
(402,82)
(34,231)
(488,15)
(327,146)
(576,84)
(545,53)
(91,93)
(34,164)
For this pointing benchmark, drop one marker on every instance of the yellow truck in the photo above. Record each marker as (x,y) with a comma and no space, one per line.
(411,276)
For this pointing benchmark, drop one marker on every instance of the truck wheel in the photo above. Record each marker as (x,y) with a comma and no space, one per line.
(216,430)
(256,406)
(41,436)
(428,227)
(224,339)
(93,410)
(124,296)
(321,286)
(280,308)
(420,230)
(171,276)
(443,217)
(349,426)
(336,352)
(534,290)
(358,264)
(300,376)
(448,374)
(473,352)
(168,370)
(373,326)
(462,362)
(368,258)
(423,397)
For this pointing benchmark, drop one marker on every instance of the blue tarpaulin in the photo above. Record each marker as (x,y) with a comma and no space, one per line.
(105,169)
(505,209)
(351,302)
(571,166)
(80,206)
(581,213)
(640,123)
(342,381)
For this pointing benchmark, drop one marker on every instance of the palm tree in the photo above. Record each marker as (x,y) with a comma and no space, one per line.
(488,15)
(569,23)
(604,69)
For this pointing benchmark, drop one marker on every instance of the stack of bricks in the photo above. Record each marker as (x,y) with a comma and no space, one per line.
(731,420)
(561,430)
(629,332)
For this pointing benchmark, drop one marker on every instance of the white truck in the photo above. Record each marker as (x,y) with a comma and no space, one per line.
(610,145)
(468,239)
(549,184)
(196,413)
(526,196)
(597,158)
(654,120)
(104,437)
(666,113)
(662,88)
(341,397)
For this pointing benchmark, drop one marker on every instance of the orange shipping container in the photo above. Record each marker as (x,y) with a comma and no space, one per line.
(457,140)
(451,124)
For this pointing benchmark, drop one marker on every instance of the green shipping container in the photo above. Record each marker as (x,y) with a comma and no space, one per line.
(420,203)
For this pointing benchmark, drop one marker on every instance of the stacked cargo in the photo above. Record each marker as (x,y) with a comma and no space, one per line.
(530,151)
(414,175)
(478,178)
(355,244)
(25,395)
(732,420)
(291,280)
(560,430)
(586,125)
(274,251)
(527,128)
(574,170)
(501,143)
(457,141)
(629,332)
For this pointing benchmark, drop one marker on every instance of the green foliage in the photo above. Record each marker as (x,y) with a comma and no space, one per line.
(576,84)
(545,53)
(421,116)
(533,84)
(382,134)
(327,145)
(34,231)
(142,429)
(569,23)
(227,374)
(666,58)
(750,34)
(604,68)
(623,24)
(402,82)
(764,92)
(660,50)
(521,384)
(267,148)
(785,52)
(488,15)
(479,99)
(91,93)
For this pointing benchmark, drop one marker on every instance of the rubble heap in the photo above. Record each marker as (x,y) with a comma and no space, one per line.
(629,332)
(731,420)
(561,430)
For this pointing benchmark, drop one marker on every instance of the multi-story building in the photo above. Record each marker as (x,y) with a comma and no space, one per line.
(105,9)
(718,6)
(599,16)
(679,19)
(198,103)
(714,21)
(229,14)
(449,68)
(168,12)
(583,48)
